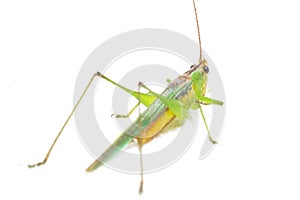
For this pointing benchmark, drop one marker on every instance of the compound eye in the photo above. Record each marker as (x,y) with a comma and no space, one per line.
(206,69)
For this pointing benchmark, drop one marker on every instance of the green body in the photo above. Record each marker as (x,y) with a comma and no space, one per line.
(173,105)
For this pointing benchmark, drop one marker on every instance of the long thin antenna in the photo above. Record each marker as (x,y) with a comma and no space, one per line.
(195,9)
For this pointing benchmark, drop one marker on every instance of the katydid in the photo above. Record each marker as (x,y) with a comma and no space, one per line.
(166,111)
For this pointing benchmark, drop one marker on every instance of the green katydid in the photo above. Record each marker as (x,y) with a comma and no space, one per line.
(185,92)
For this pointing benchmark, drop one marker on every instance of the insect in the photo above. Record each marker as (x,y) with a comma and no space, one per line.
(166,111)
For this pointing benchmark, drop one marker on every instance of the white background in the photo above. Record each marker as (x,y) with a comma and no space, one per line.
(254,44)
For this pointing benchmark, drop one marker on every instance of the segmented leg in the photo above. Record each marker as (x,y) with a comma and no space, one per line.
(145,99)
(66,122)
(128,114)
(142,170)
(208,132)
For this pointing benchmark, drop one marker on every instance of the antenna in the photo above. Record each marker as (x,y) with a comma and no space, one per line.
(195,9)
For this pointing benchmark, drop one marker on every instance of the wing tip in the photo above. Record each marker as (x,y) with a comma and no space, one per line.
(96,164)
